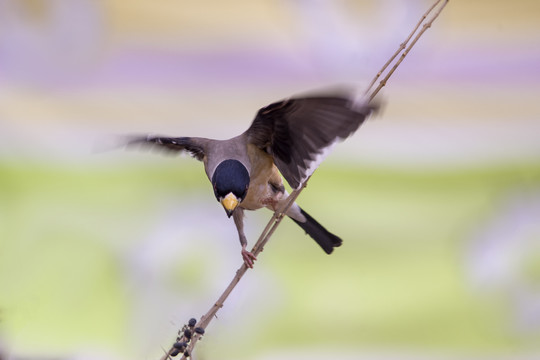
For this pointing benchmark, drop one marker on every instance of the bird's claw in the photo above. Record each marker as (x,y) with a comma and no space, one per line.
(248,257)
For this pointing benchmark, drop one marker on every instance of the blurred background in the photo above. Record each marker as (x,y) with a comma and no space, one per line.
(106,254)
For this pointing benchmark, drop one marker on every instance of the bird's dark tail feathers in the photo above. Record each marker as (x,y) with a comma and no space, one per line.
(323,237)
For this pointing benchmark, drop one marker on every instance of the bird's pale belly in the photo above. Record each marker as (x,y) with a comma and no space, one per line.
(261,195)
(265,187)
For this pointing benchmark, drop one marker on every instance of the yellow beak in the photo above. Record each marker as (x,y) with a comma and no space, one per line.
(229,202)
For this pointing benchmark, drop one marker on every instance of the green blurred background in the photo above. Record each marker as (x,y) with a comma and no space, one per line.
(104,255)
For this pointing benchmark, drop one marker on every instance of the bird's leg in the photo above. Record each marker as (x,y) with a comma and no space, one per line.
(238,216)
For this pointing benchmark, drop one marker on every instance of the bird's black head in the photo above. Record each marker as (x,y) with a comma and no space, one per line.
(230,182)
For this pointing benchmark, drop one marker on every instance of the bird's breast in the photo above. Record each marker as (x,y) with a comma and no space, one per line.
(264,180)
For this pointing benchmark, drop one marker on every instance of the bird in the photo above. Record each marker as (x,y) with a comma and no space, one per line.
(286,140)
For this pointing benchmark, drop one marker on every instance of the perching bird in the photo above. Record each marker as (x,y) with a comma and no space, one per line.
(288,137)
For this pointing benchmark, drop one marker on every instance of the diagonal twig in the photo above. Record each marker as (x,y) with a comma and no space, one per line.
(402,47)
(257,248)
(280,213)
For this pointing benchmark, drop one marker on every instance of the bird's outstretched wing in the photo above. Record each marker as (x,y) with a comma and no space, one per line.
(298,132)
(194,146)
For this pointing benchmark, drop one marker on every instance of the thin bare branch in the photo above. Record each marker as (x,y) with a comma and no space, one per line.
(426,26)
(280,213)
(166,355)
(401,47)
(257,248)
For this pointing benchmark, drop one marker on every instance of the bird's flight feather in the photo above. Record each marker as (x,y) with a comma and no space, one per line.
(188,144)
(298,130)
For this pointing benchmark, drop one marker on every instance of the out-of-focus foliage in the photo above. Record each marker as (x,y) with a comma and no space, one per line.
(105,254)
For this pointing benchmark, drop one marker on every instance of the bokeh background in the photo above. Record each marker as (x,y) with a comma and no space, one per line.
(105,254)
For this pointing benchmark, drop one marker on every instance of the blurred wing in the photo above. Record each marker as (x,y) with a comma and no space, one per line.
(299,132)
(192,145)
